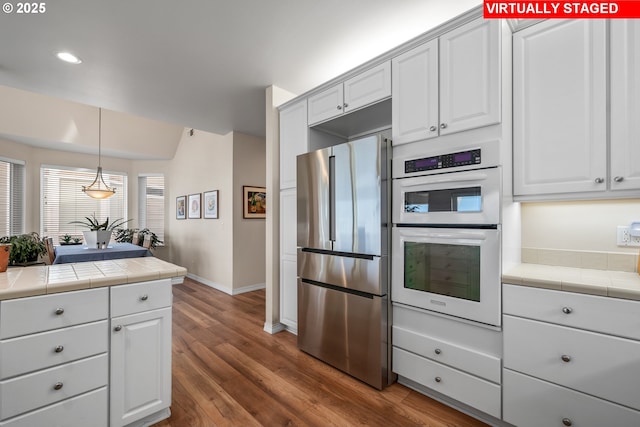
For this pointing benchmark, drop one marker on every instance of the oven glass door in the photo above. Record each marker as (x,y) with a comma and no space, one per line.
(451,271)
(471,197)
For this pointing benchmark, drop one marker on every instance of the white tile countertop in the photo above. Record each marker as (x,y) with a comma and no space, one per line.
(18,282)
(615,284)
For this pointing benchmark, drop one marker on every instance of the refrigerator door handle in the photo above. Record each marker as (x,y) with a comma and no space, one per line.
(332,198)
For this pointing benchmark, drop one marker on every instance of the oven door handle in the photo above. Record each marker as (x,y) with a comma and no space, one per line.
(454,236)
(474,178)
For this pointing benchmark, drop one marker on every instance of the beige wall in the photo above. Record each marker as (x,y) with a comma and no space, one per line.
(248,234)
(582,226)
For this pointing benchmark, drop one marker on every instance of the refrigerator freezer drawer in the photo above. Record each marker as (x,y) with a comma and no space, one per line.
(345,330)
(359,274)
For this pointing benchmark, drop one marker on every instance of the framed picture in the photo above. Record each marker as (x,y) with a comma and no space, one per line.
(194,205)
(254,200)
(181,210)
(210,204)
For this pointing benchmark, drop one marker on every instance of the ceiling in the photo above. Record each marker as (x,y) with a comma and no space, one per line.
(203,64)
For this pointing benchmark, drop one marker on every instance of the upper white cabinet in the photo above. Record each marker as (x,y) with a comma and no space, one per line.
(560,102)
(625,104)
(448,85)
(365,88)
(294,136)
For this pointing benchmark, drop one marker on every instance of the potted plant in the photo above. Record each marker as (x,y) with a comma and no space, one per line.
(5,251)
(125,235)
(99,233)
(25,248)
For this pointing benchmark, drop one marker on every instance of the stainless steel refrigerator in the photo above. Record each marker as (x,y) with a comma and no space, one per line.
(343,235)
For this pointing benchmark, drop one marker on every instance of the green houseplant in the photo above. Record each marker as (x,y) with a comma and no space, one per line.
(99,233)
(25,248)
(125,235)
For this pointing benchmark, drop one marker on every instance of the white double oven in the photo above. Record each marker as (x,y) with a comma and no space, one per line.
(446,233)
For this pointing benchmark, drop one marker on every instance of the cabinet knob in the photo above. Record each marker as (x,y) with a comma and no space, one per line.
(59,349)
(443,125)
(118,328)
(599,180)
(438,379)
(433,128)
(57,386)
(144,297)
(567,422)
(339,107)
(345,105)
(438,351)
(618,179)
(59,311)
(565,358)
(567,310)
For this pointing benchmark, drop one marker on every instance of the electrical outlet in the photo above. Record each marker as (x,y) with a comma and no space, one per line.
(624,238)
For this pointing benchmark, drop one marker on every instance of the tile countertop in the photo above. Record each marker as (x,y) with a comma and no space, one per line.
(615,284)
(20,282)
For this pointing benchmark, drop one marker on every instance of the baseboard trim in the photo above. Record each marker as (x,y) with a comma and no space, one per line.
(274,328)
(226,289)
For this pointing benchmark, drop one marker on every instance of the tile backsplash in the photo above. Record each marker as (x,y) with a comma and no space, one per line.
(581,259)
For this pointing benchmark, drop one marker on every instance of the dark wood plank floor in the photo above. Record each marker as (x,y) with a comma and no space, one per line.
(228,372)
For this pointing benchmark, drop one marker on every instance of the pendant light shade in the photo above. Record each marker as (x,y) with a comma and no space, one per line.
(98,188)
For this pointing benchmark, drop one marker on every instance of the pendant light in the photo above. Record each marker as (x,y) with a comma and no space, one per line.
(98,188)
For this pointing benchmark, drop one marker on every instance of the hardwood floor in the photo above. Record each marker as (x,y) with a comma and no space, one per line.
(228,372)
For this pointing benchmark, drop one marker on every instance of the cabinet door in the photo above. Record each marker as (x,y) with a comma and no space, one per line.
(140,365)
(560,107)
(326,105)
(367,87)
(293,141)
(625,104)
(470,76)
(288,260)
(415,94)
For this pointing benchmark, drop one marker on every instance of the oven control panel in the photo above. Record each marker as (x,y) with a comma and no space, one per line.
(443,161)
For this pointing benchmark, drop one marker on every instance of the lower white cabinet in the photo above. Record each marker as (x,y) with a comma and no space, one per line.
(140,378)
(140,365)
(59,369)
(559,366)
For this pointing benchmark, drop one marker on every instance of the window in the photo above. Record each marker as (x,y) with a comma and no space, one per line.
(11,197)
(151,203)
(63,200)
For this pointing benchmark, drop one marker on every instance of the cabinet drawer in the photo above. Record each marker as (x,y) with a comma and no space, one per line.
(38,351)
(27,392)
(465,388)
(530,402)
(89,409)
(601,365)
(600,314)
(24,316)
(139,297)
(473,362)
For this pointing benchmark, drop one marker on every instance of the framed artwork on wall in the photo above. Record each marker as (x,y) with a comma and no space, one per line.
(210,204)
(254,200)
(181,211)
(194,205)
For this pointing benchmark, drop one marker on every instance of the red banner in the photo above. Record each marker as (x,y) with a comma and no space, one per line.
(561,9)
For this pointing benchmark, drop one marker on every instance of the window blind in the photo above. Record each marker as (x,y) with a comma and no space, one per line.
(63,200)
(151,203)
(12,176)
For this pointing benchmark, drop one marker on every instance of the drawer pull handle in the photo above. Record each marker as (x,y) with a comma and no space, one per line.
(433,128)
(59,349)
(57,386)
(443,125)
(567,310)
(59,311)
(438,379)
(438,351)
(144,297)
(567,422)
(566,358)
(118,328)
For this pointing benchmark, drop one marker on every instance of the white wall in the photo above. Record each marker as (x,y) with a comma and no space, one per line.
(582,226)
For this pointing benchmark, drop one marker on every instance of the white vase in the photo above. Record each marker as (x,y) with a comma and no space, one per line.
(97,238)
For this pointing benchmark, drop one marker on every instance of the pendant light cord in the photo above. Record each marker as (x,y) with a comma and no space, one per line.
(100,137)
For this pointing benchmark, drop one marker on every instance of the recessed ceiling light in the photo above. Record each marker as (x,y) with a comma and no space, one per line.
(68,57)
